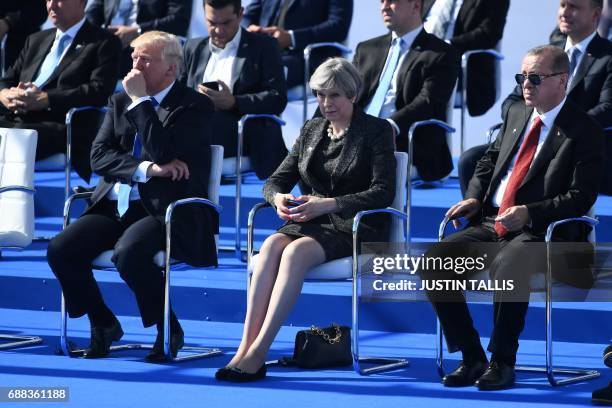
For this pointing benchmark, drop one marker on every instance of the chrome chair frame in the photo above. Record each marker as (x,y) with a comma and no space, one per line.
(15,341)
(575,374)
(243,120)
(307,52)
(69,349)
(464,74)
(384,363)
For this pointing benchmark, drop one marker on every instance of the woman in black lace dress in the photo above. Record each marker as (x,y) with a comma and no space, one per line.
(346,158)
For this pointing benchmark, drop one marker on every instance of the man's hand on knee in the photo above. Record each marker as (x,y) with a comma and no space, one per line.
(466,208)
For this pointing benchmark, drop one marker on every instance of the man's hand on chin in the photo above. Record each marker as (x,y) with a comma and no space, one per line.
(134,84)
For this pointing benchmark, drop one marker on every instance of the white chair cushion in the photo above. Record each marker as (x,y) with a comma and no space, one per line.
(17,152)
(399,201)
(56,162)
(229,166)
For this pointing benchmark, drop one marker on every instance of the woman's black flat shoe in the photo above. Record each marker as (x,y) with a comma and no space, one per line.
(237,375)
(221,373)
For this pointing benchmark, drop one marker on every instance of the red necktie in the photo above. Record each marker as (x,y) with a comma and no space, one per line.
(523,161)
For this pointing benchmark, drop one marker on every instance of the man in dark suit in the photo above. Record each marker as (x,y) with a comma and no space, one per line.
(409,75)
(544,166)
(297,23)
(18,19)
(128,18)
(247,68)
(590,85)
(153,148)
(74,64)
(472,25)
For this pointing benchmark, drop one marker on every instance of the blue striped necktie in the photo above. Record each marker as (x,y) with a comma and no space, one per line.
(380,95)
(123,195)
(52,60)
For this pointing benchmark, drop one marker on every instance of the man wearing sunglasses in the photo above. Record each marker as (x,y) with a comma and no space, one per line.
(590,82)
(544,166)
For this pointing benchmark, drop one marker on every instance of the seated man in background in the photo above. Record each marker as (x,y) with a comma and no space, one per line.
(590,83)
(18,19)
(409,75)
(241,72)
(297,23)
(471,25)
(74,64)
(153,148)
(544,166)
(127,19)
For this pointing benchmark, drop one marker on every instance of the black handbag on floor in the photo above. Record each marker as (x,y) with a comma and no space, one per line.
(321,348)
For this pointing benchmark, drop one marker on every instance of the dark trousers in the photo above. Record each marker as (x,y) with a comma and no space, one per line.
(508,260)
(134,238)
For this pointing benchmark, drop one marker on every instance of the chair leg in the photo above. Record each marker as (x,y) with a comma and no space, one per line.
(15,342)
(382,363)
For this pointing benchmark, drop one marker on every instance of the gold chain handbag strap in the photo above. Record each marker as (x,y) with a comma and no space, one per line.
(326,337)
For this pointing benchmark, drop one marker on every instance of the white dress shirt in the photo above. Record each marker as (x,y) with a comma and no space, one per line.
(582,46)
(388,107)
(431,20)
(221,62)
(140,175)
(547,118)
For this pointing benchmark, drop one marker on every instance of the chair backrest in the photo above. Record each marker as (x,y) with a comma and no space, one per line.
(214,177)
(399,201)
(17,153)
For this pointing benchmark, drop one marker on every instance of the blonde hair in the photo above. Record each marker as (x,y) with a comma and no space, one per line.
(172,51)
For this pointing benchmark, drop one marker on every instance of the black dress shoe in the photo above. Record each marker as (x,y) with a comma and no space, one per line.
(177,341)
(498,376)
(101,340)
(221,373)
(603,396)
(466,374)
(607,356)
(235,374)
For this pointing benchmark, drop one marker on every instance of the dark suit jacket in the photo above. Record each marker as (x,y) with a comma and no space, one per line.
(479,25)
(364,178)
(86,76)
(23,17)
(562,182)
(166,135)
(311,21)
(172,16)
(260,88)
(426,81)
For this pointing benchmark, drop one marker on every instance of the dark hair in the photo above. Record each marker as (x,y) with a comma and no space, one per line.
(219,4)
(597,3)
(559,60)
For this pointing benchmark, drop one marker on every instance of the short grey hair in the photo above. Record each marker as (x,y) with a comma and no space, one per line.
(559,61)
(172,52)
(337,73)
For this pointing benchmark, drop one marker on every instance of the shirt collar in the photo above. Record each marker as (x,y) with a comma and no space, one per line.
(582,45)
(72,31)
(230,46)
(548,118)
(409,37)
(159,97)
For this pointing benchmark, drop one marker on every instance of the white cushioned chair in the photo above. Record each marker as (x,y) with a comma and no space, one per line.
(161,259)
(349,267)
(17,152)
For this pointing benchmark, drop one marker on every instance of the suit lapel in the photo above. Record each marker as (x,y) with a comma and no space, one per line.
(413,55)
(466,8)
(78,43)
(585,64)
(314,138)
(204,57)
(110,9)
(170,104)
(43,49)
(379,57)
(241,56)
(510,144)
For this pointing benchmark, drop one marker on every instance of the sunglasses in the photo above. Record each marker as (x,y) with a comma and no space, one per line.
(534,79)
